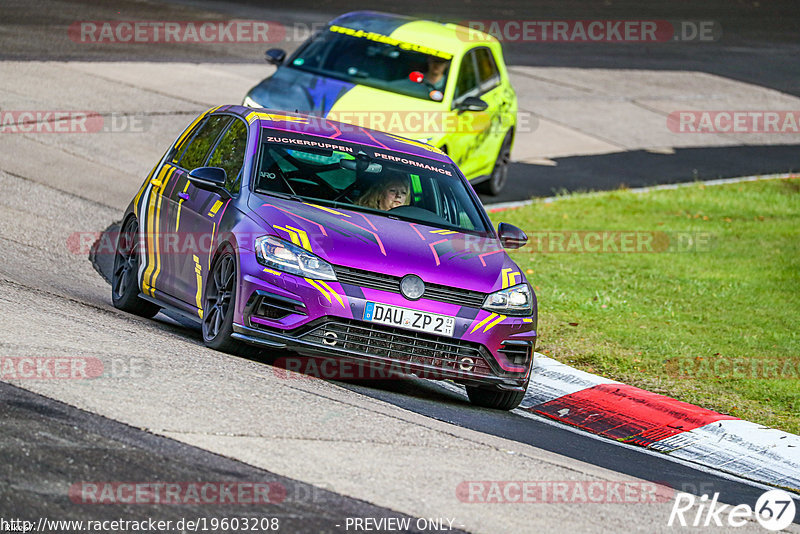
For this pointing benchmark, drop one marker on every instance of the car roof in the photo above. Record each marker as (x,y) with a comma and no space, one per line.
(299,124)
(447,37)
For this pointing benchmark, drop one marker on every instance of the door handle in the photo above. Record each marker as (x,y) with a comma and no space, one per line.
(184,196)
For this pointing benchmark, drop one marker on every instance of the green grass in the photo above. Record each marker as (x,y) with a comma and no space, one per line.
(662,320)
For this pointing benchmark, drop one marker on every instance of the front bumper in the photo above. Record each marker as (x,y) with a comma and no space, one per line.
(282,311)
(389,348)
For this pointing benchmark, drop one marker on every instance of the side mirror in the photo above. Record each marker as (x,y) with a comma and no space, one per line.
(472,103)
(511,236)
(275,56)
(208,178)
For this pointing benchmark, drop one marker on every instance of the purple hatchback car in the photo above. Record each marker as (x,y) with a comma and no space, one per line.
(287,231)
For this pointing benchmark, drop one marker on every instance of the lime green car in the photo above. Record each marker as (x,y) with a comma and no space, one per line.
(441,84)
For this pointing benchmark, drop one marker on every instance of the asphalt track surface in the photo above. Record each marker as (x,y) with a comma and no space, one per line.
(47,444)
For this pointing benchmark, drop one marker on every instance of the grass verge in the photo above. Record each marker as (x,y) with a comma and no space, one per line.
(703,304)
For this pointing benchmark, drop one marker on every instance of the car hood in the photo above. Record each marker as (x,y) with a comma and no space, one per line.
(375,243)
(295,90)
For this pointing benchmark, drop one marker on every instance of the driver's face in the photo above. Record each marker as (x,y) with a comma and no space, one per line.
(393,196)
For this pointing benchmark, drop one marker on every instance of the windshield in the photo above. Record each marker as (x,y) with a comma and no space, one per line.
(352,176)
(376,60)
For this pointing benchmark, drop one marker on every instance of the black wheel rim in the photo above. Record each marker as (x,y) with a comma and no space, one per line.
(126,259)
(219,294)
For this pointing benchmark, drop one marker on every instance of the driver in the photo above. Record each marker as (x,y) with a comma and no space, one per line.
(386,194)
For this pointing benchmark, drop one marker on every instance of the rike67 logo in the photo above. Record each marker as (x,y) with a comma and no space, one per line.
(775,510)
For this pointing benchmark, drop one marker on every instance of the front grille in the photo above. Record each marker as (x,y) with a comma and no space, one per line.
(401,345)
(385,282)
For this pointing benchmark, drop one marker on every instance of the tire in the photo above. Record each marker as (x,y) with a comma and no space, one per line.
(497,181)
(125,276)
(494,398)
(219,302)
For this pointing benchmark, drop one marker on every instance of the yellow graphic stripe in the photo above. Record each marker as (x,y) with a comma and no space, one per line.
(442,232)
(270,271)
(215,208)
(141,190)
(198,271)
(527,320)
(298,237)
(334,293)
(313,283)
(180,203)
(150,229)
(491,325)
(306,244)
(158,222)
(213,236)
(292,235)
(505,277)
(509,278)
(480,324)
(323,208)
(256,115)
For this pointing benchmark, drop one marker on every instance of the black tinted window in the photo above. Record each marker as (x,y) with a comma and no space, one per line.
(367,178)
(229,154)
(203,141)
(375,60)
(487,69)
(467,77)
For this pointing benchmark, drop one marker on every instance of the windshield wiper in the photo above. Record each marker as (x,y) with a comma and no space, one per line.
(278,194)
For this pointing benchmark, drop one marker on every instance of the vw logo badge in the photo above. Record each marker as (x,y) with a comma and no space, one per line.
(412,287)
(330,338)
(467,364)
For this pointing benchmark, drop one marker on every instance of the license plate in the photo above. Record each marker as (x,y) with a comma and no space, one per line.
(431,323)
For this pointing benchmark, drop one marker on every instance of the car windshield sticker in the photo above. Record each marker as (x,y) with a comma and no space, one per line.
(307,142)
(427,165)
(377,37)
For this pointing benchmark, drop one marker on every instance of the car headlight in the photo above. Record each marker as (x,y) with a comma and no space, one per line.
(516,300)
(250,103)
(289,258)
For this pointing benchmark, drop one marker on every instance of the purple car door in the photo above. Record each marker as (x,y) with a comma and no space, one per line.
(220,143)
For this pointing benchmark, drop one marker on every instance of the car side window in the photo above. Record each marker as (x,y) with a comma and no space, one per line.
(195,154)
(229,155)
(488,75)
(467,77)
(178,151)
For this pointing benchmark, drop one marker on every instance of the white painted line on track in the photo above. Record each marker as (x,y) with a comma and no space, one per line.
(502,206)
